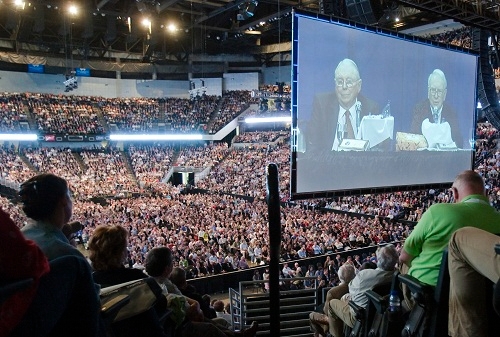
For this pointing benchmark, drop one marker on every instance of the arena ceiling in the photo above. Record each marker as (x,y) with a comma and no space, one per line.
(113,29)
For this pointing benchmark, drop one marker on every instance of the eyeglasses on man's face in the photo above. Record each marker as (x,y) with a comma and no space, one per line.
(435,91)
(348,83)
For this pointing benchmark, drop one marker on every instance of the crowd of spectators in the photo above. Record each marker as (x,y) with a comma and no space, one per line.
(260,136)
(136,114)
(243,171)
(407,205)
(190,115)
(210,233)
(12,168)
(207,232)
(59,161)
(488,160)
(207,155)
(459,37)
(12,112)
(64,114)
(106,174)
(93,115)
(150,162)
(233,103)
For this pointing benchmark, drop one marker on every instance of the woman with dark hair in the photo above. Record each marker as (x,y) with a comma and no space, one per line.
(108,254)
(46,199)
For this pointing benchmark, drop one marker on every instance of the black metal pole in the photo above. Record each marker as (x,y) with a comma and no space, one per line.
(273,207)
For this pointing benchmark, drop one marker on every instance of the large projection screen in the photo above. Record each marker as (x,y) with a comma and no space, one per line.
(409,106)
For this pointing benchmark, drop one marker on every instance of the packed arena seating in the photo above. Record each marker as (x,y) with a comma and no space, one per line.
(130,114)
(409,204)
(59,161)
(106,170)
(12,113)
(12,168)
(173,218)
(64,114)
(204,228)
(243,171)
(207,155)
(233,103)
(93,115)
(150,162)
(459,37)
(260,136)
(190,115)
(488,159)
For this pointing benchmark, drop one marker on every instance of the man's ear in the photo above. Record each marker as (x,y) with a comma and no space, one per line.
(455,193)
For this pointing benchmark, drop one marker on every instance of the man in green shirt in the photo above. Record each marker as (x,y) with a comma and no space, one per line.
(424,246)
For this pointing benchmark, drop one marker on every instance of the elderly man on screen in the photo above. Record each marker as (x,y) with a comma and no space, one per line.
(433,117)
(337,115)
(339,311)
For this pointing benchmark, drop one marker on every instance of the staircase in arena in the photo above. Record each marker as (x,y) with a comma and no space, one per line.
(98,111)
(128,164)
(30,120)
(215,113)
(161,116)
(80,161)
(294,308)
(27,162)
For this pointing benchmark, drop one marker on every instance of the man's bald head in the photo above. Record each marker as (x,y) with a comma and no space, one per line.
(347,83)
(467,183)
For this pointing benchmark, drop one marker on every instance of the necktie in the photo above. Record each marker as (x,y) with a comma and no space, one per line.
(348,125)
(435,115)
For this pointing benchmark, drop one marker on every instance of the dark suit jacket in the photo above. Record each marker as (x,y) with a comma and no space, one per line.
(321,128)
(422,111)
(116,276)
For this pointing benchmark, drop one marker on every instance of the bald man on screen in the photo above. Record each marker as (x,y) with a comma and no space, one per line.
(434,111)
(337,114)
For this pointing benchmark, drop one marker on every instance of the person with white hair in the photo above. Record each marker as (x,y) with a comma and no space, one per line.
(433,113)
(319,321)
(337,114)
(339,311)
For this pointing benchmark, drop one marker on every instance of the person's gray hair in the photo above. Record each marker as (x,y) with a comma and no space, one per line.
(346,273)
(347,63)
(387,257)
(437,73)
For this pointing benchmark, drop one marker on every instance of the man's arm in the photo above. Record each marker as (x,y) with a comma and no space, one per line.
(451,116)
(323,123)
(414,242)
(405,258)
(418,116)
(334,293)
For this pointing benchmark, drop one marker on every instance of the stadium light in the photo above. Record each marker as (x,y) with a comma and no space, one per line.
(251,120)
(155,137)
(18,136)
